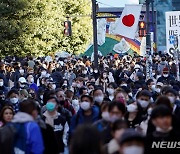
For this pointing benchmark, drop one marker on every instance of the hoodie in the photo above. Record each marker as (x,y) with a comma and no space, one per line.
(33,134)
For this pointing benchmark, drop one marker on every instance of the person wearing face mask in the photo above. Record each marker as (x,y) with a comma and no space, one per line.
(70,76)
(34,140)
(166,76)
(75,104)
(131,142)
(96,73)
(121,96)
(132,116)
(103,124)
(31,82)
(22,84)
(116,111)
(162,118)
(175,104)
(2,99)
(103,81)
(143,102)
(2,86)
(157,91)
(98,97)
(65,103)
(57,122)
(87,113)
(118,128)
(13,97)
(151,85)
(111,90)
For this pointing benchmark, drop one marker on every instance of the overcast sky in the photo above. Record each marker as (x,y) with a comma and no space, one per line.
(116,3)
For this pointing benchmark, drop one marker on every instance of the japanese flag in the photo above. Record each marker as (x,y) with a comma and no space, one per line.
(127,24)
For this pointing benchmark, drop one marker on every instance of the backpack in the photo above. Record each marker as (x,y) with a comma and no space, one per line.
(13,139)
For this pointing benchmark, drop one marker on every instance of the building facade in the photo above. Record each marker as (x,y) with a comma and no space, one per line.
(163,6)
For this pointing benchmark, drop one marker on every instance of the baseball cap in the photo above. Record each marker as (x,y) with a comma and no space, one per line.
(22,80)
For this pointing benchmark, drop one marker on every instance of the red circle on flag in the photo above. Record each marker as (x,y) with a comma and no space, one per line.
(128,20)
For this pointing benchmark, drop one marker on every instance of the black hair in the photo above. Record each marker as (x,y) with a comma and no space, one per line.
(52,97)
(81,90)
(91,99)
(170,90)
(119,105)
(47,94)
(119,124)
(86,140)
(161,111)
(143,93)
(15,91)
(97,88)
(163,100)
(149,82)
(113,84)
(28,106)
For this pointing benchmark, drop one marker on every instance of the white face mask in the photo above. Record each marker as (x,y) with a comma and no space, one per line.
(43,73)
(132,108)
(22,85)
(130,94)
(21,71)
(172,99)
(105,116)
(99,99)
(14,100)
(124,85)
(158,90)
(143,103)
(134,149)
(153,87)
(153,74)
(165,75)
(84,72)
(79,85)
(53,86)
(74,84)
(85,106)
(41,96)
(1,84)
(95,71)
(75,102)
(113,118)
(149,111)
(158,129)
(31,80)
(110,91)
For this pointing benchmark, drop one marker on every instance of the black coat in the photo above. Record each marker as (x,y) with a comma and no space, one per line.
(173,136)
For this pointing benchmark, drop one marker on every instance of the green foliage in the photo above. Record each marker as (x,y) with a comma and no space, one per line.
(35,27)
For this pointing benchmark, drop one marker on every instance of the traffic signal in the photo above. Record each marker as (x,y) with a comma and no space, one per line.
(142,29)
(67,28)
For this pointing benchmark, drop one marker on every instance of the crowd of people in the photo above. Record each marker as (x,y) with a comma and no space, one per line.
(67,105)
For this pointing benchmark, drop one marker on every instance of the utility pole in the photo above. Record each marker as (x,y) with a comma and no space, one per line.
(148,43)
(94,18)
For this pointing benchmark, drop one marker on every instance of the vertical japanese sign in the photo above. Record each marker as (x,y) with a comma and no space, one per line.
(172,29)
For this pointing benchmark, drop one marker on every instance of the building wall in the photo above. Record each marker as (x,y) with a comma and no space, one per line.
(162,6)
